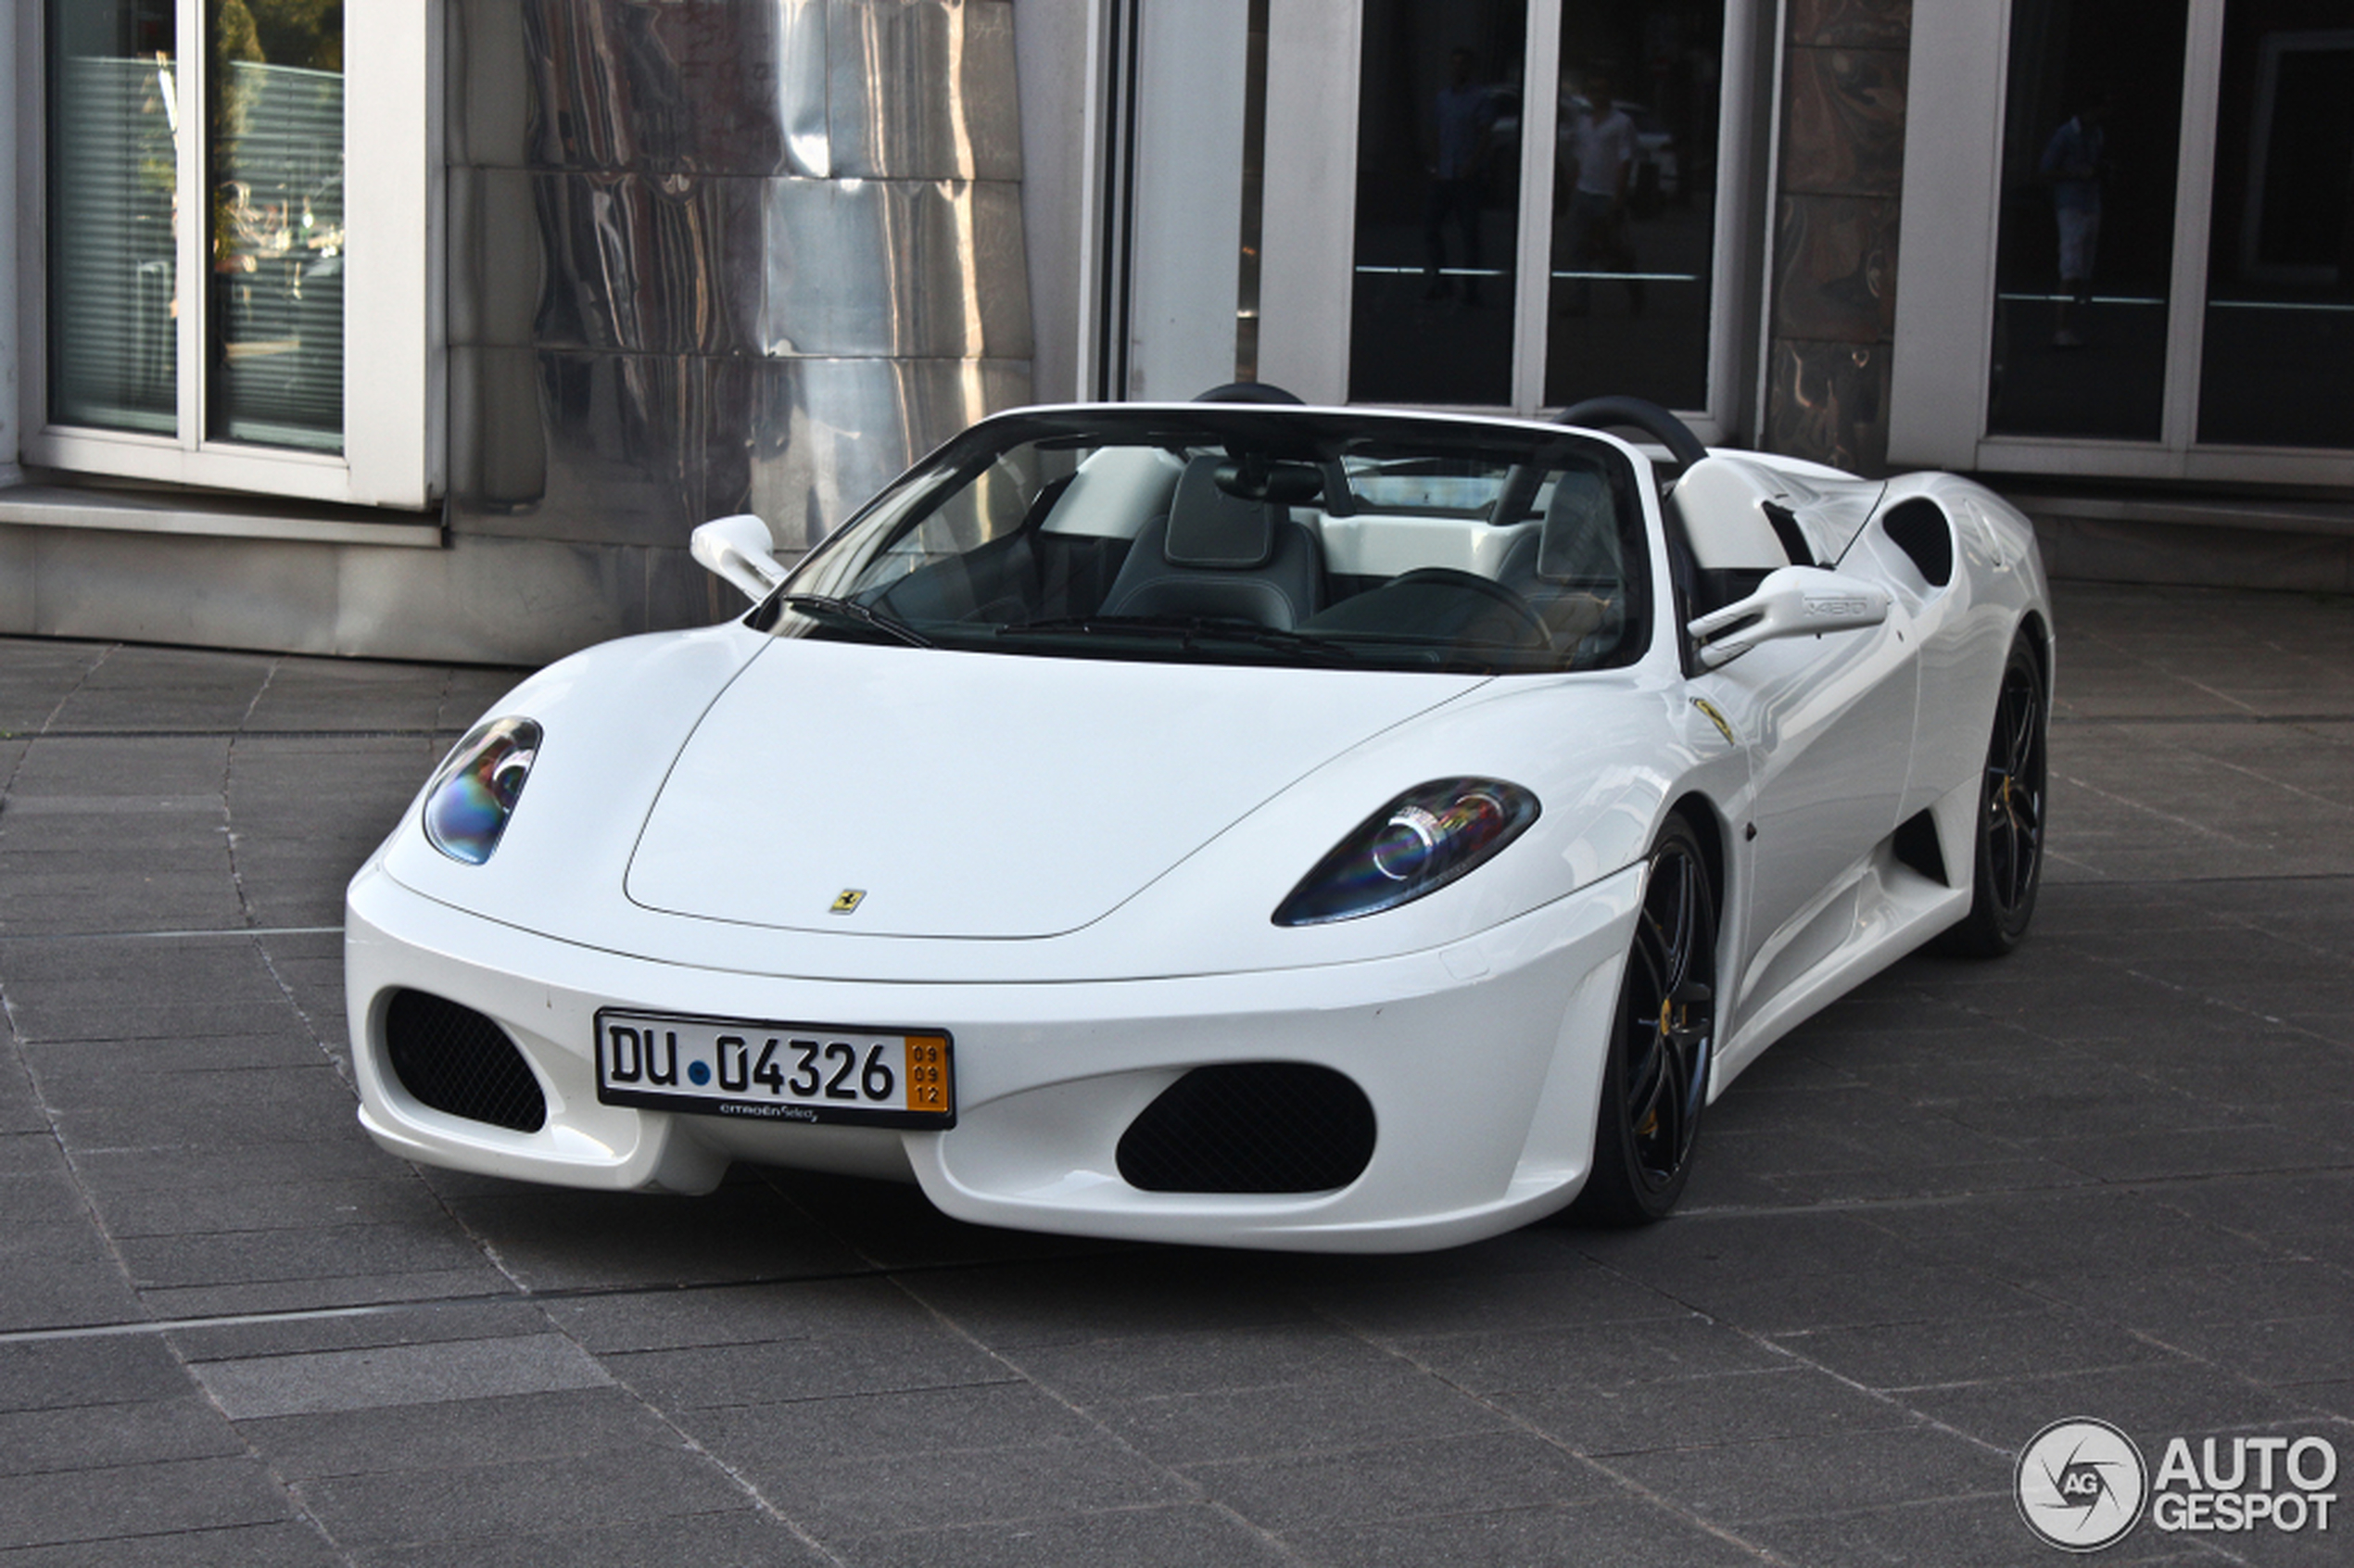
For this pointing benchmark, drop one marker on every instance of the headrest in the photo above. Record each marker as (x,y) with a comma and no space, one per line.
(1208,528)
(1580,536)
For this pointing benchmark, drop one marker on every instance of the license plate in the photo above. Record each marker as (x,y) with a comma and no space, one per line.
(776,1072)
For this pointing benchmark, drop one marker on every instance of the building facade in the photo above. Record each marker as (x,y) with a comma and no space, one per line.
(431,329)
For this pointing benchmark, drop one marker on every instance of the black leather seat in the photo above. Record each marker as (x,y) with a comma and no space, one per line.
(1219,557)
(1570,573)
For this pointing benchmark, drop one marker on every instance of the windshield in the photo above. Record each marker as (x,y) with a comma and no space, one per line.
(1245,535)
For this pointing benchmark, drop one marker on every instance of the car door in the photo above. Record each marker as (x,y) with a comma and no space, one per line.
(1827,722)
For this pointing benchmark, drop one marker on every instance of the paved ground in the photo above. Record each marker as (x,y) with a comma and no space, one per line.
(2112,1176)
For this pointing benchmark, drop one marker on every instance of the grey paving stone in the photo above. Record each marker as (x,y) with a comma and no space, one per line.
(234,1106)
(1176,1536)
(1359,1409)
(1869,1184)
(1691,1412)
(2019,1235)
(363,1328)
(1573,1291)
(993,1415)
(1621,1534)
(1970,1349)
(304,1295)
(322,1252)
(1766,1302)
(551,1240)
(94,768)
(336,1154)
(1475,1473)
(754,1314)
(492,1502)
(834,1498)
(287,1545)
(30,1155)
(1692,1255)
(1152,1365)
(137,1500)
(104,1436)
(1597,1355)
(455,1434)
(1980,1532)
(2159,1299)
(1143,1294)
(37,1374)
(397,1374)
(895,1227)
(885,1361)
(1808,1477)
(275,1040)
(394,1200)
(706,1540)
(2276,1350)
(2150,1402)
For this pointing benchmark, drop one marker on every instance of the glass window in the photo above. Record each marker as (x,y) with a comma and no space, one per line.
(1635,202)
(2091,133)
(1439,172)
(1624,184)
(114,197)
(127,261)
(2277,367)
(274,122)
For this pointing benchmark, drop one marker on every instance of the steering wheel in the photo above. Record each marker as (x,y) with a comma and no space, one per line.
(1487,587)
(1637,413)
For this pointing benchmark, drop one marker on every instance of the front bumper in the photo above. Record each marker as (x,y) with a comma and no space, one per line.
(1483,1063)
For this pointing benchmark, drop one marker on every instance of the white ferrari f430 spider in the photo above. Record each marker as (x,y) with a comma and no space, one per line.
(1224,822)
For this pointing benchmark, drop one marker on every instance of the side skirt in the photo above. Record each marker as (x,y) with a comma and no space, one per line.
(1896,909)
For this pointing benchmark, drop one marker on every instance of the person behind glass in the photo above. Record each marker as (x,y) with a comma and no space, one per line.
(1602,142)
(2071,166)
(1466,126)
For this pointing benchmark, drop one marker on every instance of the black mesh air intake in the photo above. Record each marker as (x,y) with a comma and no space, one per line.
(453,1059)
(1251,1127)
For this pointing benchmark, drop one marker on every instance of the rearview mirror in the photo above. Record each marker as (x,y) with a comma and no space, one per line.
(739,550)
(1793,601)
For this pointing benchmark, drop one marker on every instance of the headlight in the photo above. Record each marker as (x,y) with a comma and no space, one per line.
(1416,844)
(471,798)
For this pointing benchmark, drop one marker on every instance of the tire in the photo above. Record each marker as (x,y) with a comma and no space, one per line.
(2006,853)
(1662,1037)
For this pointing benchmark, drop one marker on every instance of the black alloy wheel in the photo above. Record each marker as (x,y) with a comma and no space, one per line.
(2007,855)
(1662,1039)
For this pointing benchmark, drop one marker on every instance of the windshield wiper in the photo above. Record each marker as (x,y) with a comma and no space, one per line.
(1186,630)
(826,607)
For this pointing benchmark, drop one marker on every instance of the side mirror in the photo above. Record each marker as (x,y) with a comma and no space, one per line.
(1793,601)
(739,550)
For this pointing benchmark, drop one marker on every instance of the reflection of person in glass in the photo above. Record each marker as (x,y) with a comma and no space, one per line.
(2071,165)
(1602,142)
(1466,126)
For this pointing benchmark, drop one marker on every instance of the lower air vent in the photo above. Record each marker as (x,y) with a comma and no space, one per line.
(1253,1127)
(454,1060)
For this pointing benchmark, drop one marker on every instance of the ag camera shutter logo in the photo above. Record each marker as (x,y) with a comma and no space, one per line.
(2080,1484)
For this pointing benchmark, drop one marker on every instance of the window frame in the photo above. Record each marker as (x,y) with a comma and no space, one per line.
(395,380)
(1938,402)
(1309,279)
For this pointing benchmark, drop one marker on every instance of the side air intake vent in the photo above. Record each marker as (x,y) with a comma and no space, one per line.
(454,1060)
(1251,1127)
(1919,529)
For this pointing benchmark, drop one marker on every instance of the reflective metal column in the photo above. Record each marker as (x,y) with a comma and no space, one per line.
(723,256)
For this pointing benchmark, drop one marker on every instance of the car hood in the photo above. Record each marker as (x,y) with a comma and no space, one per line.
(889,792)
